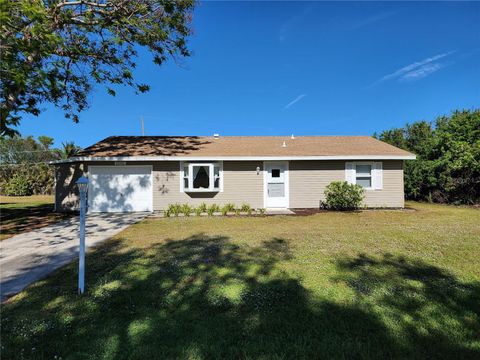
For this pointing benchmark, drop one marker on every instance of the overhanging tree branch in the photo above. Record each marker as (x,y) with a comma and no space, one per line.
(47,45)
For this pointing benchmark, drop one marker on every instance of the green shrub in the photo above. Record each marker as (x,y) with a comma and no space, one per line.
(198,211)
(202,207)
(238,211)
(174,209)
(230,207)
(261,211)
(186,209)
(227,208)
(18,185)
(340,195)
(246,208)
(213,209)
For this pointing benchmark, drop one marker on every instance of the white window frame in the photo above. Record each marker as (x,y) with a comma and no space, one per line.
(376,173)
(210,166)
(372,166)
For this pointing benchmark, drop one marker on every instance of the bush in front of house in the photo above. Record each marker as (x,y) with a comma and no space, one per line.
(173,209)
(340,195)
(229,208)
(187,209)
(246,208)
(213,209)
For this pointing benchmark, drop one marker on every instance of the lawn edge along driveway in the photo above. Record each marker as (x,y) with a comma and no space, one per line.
(28,257)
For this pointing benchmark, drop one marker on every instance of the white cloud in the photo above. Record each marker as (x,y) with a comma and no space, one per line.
(293,22)
(418,69)
(422,72)
(294,101)
(371,19)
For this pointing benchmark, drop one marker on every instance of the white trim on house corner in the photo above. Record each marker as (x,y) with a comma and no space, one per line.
(233,158)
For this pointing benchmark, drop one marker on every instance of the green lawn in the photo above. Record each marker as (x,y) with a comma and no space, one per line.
(20,214)
(372,285)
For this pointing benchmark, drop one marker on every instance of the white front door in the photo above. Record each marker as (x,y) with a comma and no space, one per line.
(119,188)
(276,184)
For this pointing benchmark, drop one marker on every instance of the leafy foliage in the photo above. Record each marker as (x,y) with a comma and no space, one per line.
(55,51)
(198,211)
(340,195)
(202,207)
(24,168)
(18,185)
(187,209)
(447,168)
(173,209)
(246,208)
(212,209)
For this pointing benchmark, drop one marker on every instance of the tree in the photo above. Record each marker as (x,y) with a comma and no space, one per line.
(69,149)
(56,50)
(24,168)
(447,168)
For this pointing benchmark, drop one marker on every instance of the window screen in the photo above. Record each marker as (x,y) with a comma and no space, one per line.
(364,175)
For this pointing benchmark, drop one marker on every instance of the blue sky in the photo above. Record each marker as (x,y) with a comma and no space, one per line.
(307,68)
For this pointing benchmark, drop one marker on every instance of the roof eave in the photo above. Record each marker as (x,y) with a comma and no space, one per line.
(233,158)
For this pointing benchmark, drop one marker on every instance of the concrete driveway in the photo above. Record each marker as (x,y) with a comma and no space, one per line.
(28,257)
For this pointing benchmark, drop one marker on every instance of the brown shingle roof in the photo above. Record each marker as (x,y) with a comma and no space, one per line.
(257,146)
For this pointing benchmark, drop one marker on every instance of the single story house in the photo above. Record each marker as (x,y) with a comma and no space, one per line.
(147,173)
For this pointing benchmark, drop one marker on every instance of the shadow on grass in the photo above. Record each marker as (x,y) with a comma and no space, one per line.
(16,220)
(205,297)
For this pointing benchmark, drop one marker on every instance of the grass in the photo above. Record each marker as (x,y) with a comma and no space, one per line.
(371,285)
(20,214)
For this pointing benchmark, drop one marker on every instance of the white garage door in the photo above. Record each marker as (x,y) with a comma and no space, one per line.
(119,188)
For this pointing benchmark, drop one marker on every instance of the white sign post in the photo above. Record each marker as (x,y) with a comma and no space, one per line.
(82,184)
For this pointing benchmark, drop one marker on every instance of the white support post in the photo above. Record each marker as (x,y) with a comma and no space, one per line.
(81,262)
(82,186)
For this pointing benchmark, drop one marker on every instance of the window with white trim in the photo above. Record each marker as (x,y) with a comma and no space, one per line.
(363,175)
(201,177)
(368,174)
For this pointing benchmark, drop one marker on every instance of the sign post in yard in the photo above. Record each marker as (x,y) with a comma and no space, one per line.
(82,184)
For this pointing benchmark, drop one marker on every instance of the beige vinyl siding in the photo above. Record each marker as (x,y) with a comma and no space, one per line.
(241,184)
(308,180)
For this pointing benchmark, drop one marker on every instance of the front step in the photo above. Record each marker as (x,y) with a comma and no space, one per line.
(279,211)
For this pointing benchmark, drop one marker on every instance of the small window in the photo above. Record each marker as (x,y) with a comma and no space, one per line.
(363,175)
(275,173)
(201,177)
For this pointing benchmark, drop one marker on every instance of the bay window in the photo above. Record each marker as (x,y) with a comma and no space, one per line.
(201,177)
